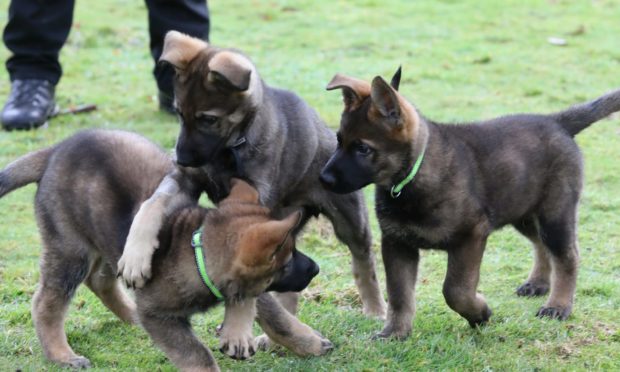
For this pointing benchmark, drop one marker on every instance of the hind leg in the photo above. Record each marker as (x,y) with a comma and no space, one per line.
(349,217)
(103,282)
(290,303)
(288,300)
(60,276)
(559,236)
(285,329)
(173,335)
(537,283)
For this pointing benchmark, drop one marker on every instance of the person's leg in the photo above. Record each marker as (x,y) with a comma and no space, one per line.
(34,34)
(190,17)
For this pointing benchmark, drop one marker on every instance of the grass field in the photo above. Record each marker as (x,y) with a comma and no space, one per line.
(462,60)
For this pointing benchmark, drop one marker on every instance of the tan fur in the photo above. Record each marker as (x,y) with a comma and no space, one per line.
(366,281)
(180,49)
(355,90)
(233,66)
(236,332)
(102,198)
(406,126)
(102,281)
(132,260)
(242,192)
(274,122)
(257,242)
(288,330)
(523,170)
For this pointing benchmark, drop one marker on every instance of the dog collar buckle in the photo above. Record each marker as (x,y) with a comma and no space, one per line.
(398,188)
(240,141)
(393,193)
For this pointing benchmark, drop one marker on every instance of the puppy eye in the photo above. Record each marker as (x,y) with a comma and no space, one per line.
(208,119)
(363,149)
(339,139)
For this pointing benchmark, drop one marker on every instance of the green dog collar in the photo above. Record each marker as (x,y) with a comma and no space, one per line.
(200,262)
(396,189)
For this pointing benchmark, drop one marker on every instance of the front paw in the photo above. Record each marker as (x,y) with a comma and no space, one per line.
(554,312)
(397,333)
(532,289)
(238,346)
(77,362)
(325,344)
(376,310)
(263,342)
(303,341)
(135,264)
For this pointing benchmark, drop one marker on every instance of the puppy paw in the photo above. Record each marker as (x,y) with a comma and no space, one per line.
(554,312)
(533,289)
(391,333)
(263,342)
(240,346)
(325,345)
(481,319)
(305,341)
(376,310)
(134,265)
(77,362)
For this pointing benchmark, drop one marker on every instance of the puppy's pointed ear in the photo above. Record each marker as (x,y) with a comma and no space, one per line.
(230,71)
(241,191)
(354,91)
(265,243)
(180,49)
(385,100)
(395,82)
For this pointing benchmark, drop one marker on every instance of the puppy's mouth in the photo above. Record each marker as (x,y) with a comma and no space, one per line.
(199,152)
(334,179)
(296,275)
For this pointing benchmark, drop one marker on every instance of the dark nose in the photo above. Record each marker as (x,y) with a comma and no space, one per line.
(327,179)
(313,270)
(187,159)
(183,158)
(183,162)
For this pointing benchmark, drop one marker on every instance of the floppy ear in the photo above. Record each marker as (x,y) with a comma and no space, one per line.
(385,100)
(241,191)
(354,91)
(263,242)
(395,82)
(180,49)
(230,71)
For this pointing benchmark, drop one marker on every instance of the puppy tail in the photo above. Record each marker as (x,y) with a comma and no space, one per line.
(579,117)
(27,169)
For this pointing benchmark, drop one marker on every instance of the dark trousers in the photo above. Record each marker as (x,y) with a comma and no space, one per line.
(37,29)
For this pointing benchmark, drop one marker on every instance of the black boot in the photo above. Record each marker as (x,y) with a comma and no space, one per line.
(30,104)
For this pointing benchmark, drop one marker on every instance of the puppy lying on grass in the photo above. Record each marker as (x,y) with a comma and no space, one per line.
(90,187)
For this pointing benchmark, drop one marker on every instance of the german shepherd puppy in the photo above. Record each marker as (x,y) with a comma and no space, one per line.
(90,187)
(235,125)
(472,179)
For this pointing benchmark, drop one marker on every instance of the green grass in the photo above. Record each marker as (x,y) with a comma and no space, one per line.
(462,60)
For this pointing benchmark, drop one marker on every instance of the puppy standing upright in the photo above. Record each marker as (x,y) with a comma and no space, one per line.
(233,124)
(450,186)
